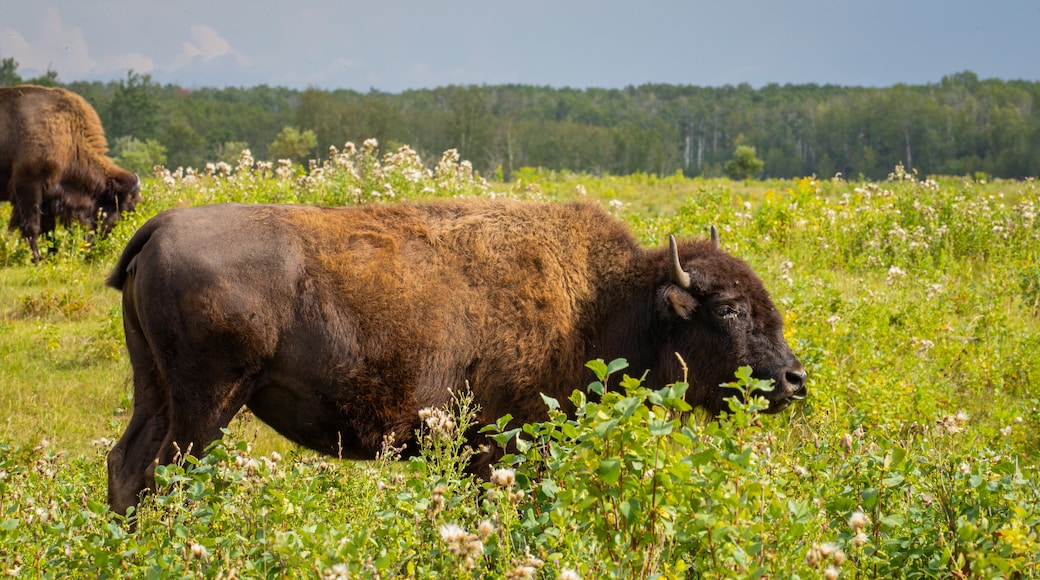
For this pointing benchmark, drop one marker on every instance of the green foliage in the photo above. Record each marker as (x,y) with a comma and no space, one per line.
(962,125)
(293,144)
(230,151)
(911,302)
(745,163)
(9,76)
(138,156)
(133,110)
(632,485)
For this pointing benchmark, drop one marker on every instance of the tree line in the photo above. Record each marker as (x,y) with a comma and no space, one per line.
(962,125)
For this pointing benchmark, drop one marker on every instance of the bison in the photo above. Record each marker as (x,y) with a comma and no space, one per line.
(336,326)
(53,165)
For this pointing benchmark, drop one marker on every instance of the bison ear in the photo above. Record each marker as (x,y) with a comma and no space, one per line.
(674,301)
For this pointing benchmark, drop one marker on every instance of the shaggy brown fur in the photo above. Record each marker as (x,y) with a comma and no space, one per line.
(336,326)
(53,165)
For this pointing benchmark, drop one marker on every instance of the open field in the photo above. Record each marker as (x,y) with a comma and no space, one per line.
(913,303)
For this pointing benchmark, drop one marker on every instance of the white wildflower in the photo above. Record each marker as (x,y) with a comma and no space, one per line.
(858,521)
(521,573)
(485,529)
(452,534)
(503,477)
(337,572)
(439,422)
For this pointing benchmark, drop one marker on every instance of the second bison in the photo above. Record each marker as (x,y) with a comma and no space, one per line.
(53,164)
(337,326)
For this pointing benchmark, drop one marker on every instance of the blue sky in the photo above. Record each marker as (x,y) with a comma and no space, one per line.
(398,45)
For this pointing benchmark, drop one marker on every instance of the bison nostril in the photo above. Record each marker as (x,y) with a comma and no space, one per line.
(796,379)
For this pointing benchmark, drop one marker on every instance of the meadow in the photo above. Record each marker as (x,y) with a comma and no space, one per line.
(913,302)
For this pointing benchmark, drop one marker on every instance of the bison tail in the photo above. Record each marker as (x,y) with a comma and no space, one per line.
(128,261)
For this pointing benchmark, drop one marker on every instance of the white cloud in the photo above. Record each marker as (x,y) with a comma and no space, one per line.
(14,45)
(57,47)
(136,61)
(65,50)
(206,44)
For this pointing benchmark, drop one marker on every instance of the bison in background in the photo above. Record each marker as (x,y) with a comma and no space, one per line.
(336,326)
(53,166)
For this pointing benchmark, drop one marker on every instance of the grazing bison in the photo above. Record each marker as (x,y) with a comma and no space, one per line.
(53,165)
(337,326)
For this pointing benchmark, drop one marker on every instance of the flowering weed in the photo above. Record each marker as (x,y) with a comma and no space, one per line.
(912,304)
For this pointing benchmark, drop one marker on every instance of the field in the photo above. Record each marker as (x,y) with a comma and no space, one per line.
(913,303)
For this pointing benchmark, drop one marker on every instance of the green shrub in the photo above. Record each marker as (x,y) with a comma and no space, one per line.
(911,303)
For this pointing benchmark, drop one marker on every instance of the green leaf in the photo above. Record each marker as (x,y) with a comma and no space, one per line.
(605,427)
(631,510)
(743,375)
(660,428)
(549,488)
(701,458)
(552,403)
(625,407)
(503,421)
(892,521)
(616,365)
(502,439)
(894,480)
(869,497)
(609,470)
(898,455)
(599,368)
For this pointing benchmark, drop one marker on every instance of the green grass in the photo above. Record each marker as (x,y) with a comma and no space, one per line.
(913,305)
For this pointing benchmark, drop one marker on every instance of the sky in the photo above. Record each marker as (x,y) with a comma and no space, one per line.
(392,46)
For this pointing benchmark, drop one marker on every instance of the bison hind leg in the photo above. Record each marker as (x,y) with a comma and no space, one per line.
(131,463)
(162,430)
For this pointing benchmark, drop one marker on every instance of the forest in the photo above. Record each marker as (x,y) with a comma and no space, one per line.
(962,125)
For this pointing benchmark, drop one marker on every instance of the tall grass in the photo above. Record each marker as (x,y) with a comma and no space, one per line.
(913,304)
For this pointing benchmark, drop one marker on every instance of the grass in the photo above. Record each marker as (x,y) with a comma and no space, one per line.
(911,302)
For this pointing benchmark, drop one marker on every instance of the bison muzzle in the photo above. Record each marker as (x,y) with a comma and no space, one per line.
(336,326)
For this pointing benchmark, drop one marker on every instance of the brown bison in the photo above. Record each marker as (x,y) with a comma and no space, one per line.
(337,326)
(53,165)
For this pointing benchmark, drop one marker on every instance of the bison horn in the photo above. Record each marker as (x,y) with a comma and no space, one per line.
(137,184)
(679,276)
(715,237)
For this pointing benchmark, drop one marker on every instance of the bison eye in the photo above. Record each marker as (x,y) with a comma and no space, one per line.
(726,311)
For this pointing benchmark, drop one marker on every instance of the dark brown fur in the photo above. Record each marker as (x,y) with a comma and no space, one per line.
(336,326)
(53,166)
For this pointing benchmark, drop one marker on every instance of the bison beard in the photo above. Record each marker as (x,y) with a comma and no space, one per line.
(337,326)
(53,166)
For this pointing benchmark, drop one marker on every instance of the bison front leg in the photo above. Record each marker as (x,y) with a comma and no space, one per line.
(26,206)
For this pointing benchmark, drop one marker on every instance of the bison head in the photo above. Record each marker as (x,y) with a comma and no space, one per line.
(122,193)
(721,318)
